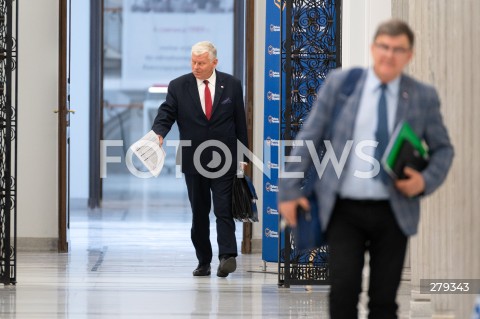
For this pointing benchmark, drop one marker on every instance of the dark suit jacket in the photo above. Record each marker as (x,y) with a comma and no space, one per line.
(226,125)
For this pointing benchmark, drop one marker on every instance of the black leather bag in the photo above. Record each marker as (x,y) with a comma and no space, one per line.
(244,200)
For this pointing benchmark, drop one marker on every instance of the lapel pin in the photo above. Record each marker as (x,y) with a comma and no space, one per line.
(405,95)
(221,86)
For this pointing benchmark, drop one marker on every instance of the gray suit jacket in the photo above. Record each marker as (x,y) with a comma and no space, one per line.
(418,105)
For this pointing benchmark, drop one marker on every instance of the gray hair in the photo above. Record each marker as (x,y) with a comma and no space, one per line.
(205,47)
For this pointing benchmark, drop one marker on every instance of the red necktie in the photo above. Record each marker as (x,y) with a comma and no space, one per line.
(208,101)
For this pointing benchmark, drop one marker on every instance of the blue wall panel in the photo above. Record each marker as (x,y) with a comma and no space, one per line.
(271,131)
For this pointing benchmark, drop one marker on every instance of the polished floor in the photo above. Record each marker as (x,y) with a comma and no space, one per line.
(133,259)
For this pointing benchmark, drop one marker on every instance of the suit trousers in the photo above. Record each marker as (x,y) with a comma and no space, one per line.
(358,226)
(201,191)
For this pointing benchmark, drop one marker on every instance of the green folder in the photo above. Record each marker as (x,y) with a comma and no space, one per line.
(405,148)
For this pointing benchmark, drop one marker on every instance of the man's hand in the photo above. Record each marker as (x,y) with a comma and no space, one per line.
(243,166)
(413,185)
(288,209)
(160,139)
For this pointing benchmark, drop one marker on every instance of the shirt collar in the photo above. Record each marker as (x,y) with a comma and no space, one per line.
(211,79)
(373,83)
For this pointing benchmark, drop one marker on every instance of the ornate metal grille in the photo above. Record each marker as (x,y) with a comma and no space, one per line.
(8,140)
(310,49)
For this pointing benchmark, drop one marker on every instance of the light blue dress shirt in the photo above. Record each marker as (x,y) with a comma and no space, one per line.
(357,180)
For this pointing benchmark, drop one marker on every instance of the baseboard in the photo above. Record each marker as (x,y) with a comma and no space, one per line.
(256,245)
(34,244)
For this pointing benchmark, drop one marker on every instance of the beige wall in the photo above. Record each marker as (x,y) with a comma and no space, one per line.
(37,128)
(447,53)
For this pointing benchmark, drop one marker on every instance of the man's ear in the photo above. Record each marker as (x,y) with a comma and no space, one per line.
(410,55)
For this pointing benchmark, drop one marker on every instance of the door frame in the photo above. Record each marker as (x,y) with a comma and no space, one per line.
(96,103)
(63,114)
(96,98)
(249,106)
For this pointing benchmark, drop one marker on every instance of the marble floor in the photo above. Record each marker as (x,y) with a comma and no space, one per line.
(133,259)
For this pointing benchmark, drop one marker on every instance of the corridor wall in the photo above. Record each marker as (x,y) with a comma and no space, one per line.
(37,200)
(447,245)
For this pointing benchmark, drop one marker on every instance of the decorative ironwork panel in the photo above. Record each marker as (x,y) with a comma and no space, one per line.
(310,49)
(306,267)
(8,140)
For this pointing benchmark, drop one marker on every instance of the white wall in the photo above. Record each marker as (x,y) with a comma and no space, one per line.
(79,122)
(360,19)
(37,208)
(258,116)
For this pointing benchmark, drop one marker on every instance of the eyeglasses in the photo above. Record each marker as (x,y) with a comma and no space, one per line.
(396,50)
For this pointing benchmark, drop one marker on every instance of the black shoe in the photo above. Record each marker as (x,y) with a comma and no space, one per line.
(227,265)
(202,270)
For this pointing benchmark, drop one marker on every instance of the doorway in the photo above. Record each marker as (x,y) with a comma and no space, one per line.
(131,94)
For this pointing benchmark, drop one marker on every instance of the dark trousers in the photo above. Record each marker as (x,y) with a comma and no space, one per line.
(357,227)
(201,190)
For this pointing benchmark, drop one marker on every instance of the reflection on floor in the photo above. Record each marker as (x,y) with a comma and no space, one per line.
(133,259)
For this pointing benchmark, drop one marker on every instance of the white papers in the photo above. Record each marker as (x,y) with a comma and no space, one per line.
(150,153)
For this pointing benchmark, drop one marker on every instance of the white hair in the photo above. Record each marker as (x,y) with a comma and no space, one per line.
(205,47)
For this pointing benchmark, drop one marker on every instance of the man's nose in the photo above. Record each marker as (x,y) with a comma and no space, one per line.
(390,52)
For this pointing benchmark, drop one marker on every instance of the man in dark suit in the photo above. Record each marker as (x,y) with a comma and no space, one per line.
(371,212)
(209,110)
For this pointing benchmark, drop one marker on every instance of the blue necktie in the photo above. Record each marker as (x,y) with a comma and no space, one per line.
(381,134)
